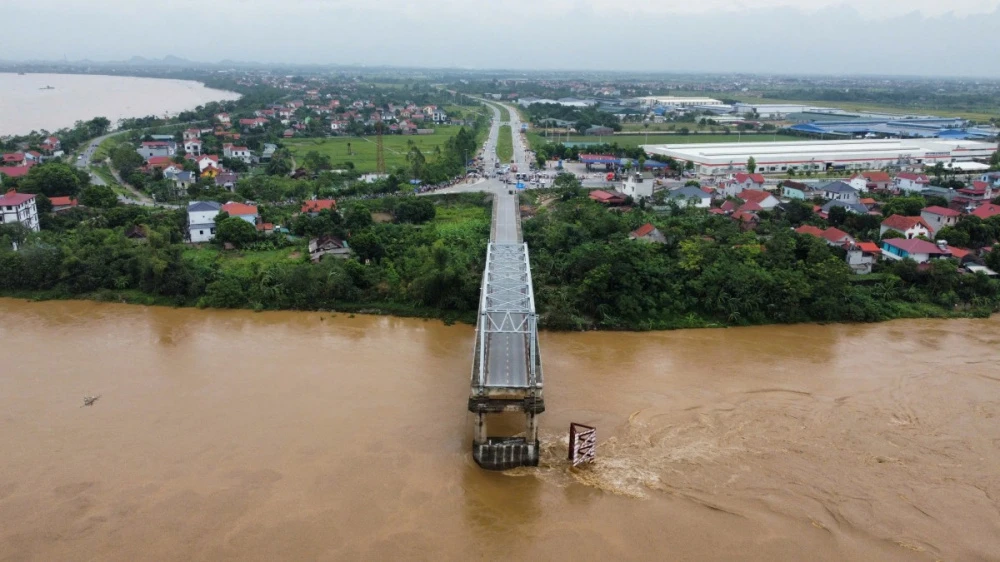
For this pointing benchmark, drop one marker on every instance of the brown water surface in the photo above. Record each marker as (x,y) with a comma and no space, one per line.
(302,436)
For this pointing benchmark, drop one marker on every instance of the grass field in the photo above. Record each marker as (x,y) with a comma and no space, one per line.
(363,148)
(505,144)
(104,149)
(208,254)
(504,113)
(535,139)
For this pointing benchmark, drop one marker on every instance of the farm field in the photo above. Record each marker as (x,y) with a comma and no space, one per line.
(363,153)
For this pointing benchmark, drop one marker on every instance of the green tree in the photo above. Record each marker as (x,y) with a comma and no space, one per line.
(416,160)
(51,179)
(236,231)
(751,164)
(316,162)
(954,236)
(98,196)
(415,210)
(906,206)
(568,185)
(837,216)
(357,217)
(98,126)
(890,234)
(125,159)
(281,163)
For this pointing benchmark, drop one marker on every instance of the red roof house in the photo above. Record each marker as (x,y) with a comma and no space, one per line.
(869,247)
(240,210)
(877,177)
(62,203)
(810,230)
(762,198)
(836,237)
(13,158)
(318,205)
(754,178)
(909,226)
(13,198)
(648,233)
(15,171)
(984,211)
(607,197)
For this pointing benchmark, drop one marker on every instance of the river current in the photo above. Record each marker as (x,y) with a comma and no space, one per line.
(229,435)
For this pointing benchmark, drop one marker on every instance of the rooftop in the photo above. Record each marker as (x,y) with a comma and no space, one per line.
(239,209)
(916,246)
(943,211)
(902,224)
(13,198)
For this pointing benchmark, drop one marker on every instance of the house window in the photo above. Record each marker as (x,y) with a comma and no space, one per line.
(200,232)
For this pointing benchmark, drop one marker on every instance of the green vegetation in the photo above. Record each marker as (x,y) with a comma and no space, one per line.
(504,113)
(51,179)
(540,114)
(426,262)
(360,151)
(505,144)
(588,274)
(103,150)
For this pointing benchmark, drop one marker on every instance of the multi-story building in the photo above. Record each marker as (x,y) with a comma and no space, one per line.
(21,208)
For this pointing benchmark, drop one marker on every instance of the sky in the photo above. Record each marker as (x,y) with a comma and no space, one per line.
(890,37)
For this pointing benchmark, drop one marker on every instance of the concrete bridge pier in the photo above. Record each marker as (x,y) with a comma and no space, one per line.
(503,453)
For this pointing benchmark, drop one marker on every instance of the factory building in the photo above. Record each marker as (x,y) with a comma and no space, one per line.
(771,110)
(650,101)
(723,159)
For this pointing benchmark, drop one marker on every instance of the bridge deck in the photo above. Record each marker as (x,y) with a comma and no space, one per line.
(506,374)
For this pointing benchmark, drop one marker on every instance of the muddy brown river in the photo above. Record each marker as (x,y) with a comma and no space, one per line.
(224,435)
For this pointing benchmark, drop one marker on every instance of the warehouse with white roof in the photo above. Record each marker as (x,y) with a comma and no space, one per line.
(716,159)
(650,101)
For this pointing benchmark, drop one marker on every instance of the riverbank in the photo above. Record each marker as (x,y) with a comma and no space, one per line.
(428,262)
(402,310)
(28,106)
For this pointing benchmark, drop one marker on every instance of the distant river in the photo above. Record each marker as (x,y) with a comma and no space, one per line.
(26,104)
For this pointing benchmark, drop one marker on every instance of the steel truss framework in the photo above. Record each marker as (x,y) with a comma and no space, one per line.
(507,305)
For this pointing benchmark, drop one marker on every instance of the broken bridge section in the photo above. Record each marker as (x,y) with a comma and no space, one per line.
(507,369)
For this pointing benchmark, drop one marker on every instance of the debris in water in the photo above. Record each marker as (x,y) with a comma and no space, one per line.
(89,400)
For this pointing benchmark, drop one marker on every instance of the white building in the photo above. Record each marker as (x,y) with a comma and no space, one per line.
(237,152)
(770,110)
(636,188)
(912,183)
(19,207)
(201,220)
(206,161)
(690,196)
(723,159)
(193,146)
(650,101)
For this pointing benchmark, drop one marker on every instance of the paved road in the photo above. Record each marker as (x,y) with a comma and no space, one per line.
(86,158)
(506,363)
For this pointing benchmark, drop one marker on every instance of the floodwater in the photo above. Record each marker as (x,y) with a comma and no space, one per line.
(26,106)
(229,435)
